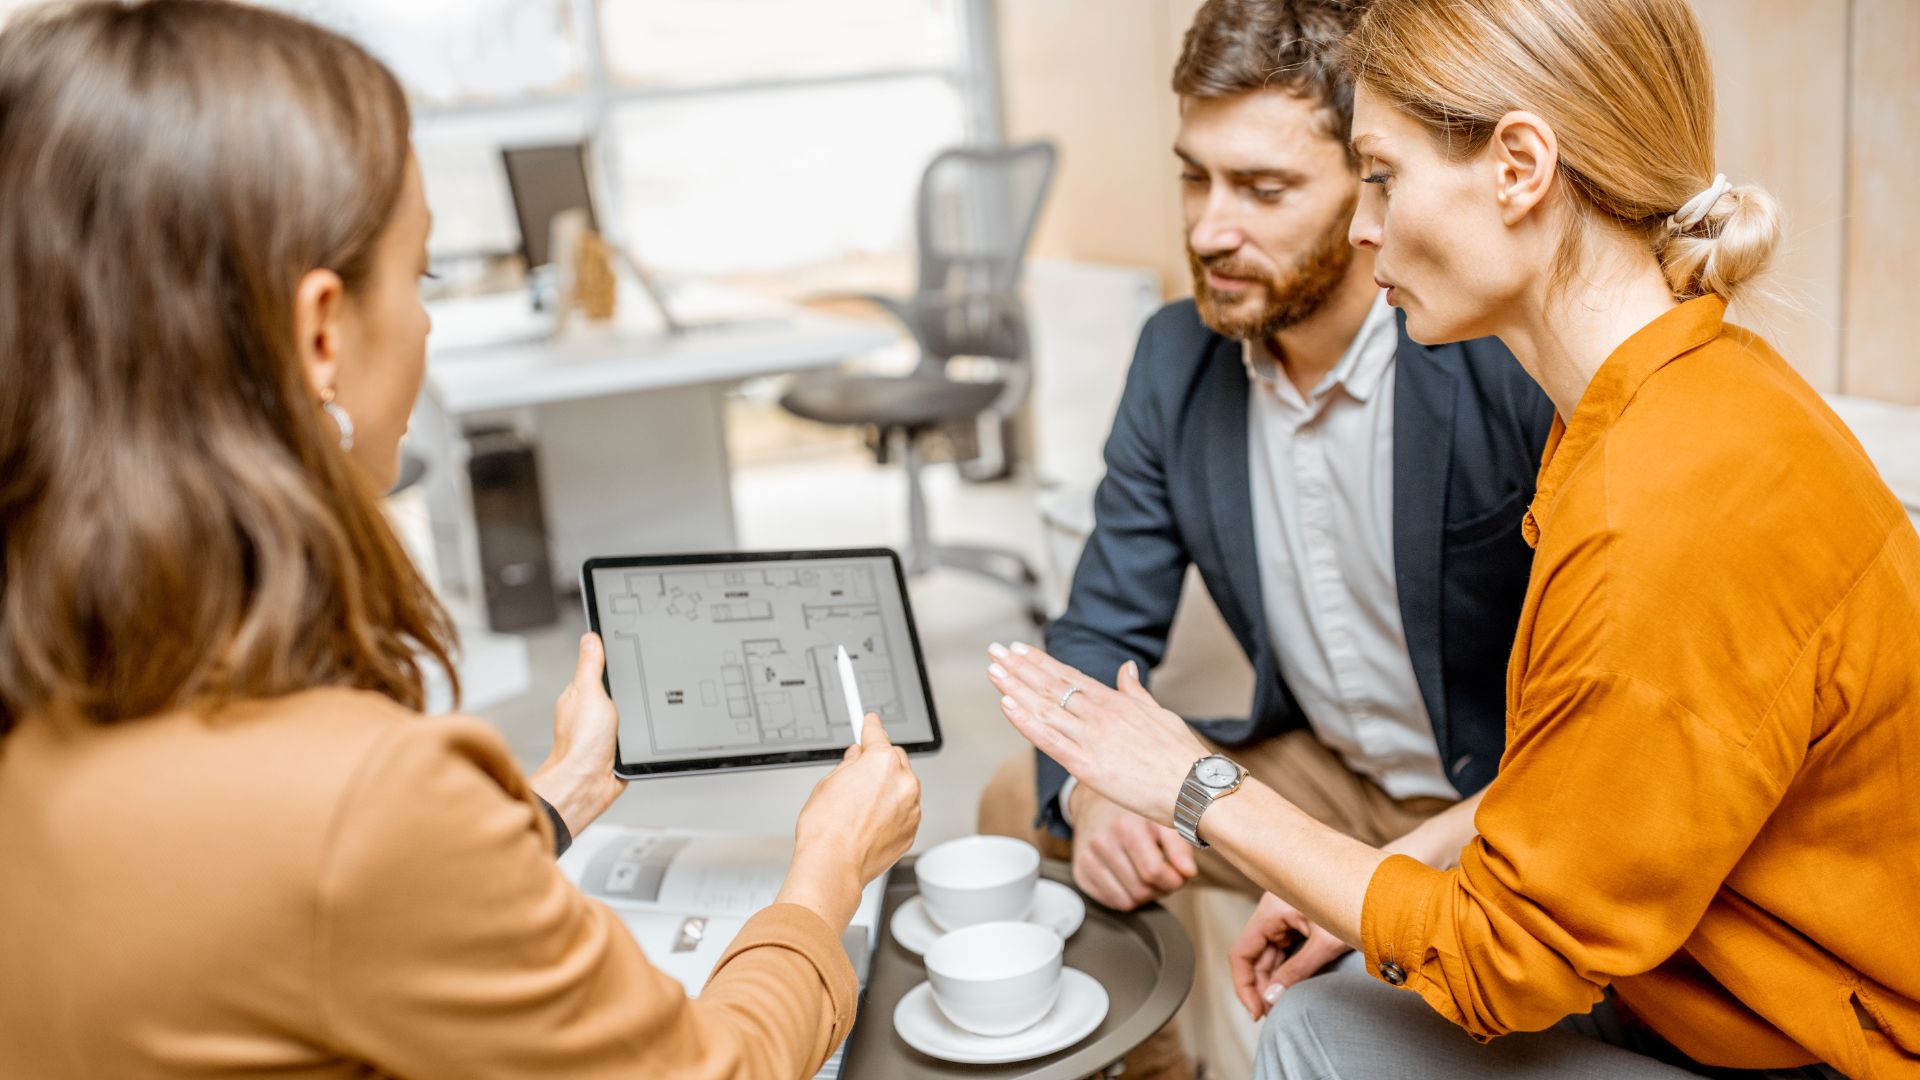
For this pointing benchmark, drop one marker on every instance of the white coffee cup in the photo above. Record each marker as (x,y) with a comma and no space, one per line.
(977,879)
(996,978)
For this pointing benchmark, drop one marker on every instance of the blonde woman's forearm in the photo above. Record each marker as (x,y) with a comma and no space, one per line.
(1286,852)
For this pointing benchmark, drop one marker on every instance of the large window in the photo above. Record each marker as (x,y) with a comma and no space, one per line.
(734,136)
(655,43)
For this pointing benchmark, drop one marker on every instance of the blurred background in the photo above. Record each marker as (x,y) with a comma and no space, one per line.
(767,163)
(764,159)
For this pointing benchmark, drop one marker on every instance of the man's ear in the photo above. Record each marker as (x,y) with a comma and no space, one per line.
(318,303)
(1525,154)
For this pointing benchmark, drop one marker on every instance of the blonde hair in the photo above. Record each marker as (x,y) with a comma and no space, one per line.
(1628,90)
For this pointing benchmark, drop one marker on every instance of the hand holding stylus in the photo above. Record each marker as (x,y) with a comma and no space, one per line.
(848,687)
(859,820)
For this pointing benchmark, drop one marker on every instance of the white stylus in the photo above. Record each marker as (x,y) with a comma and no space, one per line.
(854,711)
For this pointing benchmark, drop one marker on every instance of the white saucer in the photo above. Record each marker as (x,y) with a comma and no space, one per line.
(1054,905)
(1082,1005)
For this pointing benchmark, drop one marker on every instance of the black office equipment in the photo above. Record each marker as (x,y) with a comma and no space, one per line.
(546,181)
(516,570)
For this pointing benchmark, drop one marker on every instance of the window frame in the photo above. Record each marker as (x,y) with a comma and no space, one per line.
(976,78)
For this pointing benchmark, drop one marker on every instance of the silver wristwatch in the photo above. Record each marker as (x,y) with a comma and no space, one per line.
(1212,778)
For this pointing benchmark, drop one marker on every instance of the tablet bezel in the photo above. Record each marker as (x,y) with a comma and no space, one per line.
(746,762)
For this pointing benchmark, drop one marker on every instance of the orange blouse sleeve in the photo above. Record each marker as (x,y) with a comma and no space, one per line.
(451,945)
(1616,817)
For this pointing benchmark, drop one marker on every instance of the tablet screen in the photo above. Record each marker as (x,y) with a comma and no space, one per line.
(730,661)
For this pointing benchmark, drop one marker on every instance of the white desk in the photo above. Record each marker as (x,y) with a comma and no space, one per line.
(629,422)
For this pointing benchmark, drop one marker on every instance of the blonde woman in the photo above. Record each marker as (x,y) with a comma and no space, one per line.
(1702,851)
(229,843)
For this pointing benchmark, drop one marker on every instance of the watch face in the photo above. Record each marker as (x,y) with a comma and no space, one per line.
(1217,772)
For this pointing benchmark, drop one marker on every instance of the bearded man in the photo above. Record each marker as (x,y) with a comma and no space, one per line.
(1352,500)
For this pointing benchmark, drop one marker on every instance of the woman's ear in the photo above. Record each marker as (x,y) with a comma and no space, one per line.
(318,303)
(1525,157)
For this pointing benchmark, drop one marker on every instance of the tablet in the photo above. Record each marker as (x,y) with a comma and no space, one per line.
(727,661)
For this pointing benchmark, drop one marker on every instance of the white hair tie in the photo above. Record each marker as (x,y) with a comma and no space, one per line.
(1697,208)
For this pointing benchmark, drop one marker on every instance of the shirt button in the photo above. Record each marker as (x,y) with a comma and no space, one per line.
(1393,973)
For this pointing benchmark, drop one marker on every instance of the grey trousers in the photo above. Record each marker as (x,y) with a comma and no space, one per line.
(1347,1025)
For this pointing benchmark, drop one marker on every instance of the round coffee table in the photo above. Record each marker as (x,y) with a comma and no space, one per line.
(1143,958)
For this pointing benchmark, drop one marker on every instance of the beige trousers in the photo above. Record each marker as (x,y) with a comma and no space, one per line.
(1310,776)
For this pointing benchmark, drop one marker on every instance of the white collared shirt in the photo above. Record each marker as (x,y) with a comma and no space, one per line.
(1322,483)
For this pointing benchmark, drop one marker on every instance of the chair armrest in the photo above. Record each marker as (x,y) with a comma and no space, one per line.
(901,309)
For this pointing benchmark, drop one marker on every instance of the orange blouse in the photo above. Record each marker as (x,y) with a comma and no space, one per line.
(329,887)
(1713,733)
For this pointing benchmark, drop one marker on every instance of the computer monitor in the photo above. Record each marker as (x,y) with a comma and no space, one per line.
(546,181)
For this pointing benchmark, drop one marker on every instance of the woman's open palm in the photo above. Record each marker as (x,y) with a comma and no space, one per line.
(1118,741)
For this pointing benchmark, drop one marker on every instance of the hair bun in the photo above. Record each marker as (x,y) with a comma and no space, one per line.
(1727,249)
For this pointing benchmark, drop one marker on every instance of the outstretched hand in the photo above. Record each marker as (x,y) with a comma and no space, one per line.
(1119,742)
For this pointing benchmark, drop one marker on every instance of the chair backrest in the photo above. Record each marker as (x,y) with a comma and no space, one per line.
(978,206)
(977,210)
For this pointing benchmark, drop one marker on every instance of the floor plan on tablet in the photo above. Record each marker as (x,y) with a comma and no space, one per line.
(737,657)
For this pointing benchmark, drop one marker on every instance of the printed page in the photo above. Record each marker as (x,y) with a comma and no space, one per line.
(685,895)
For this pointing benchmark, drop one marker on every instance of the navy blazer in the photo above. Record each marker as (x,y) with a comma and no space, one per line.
(1469,426)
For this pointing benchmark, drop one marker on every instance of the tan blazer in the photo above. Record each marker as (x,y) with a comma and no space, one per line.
(329,885)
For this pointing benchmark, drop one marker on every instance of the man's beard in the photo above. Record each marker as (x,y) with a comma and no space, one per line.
(1289,299)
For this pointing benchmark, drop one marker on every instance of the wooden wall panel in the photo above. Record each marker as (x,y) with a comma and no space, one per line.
(1176,276)
(1780,80)
(1093,75)
(1883,220)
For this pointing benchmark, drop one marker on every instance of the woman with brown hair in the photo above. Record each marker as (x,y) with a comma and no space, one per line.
(1701,852)
(231,843)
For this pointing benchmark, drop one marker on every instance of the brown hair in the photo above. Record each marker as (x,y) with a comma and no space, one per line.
(180,527)
(1236,47)
(1628,90)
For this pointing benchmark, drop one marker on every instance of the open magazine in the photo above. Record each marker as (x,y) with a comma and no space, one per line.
(684,895)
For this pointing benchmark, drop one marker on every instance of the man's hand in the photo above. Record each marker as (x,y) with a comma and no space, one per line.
(1262,967)
(1120,858)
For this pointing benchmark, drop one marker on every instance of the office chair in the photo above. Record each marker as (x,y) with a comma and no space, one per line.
(976,211)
